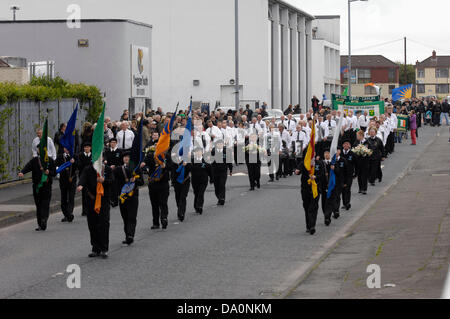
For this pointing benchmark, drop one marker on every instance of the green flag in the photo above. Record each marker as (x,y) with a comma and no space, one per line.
(43,155)
(345,92)
(97,142)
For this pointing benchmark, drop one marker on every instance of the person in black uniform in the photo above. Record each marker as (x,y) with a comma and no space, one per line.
(181,189)
(325,179)
(43,196)
(158,189)
(98,223)
(310,204)
(129,204)
(362,164)
(332,206)
(67,184)
(201,171)
(253,161)
(376,145)
(84,160)
(113,158)
(219,168)
(350,158)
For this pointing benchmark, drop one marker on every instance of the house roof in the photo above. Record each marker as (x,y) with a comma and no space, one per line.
(368,61)
(82,20)
(439,61)
(3,64)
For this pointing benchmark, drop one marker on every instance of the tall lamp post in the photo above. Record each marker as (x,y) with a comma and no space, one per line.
(14,9)
(350,48)
(236,49)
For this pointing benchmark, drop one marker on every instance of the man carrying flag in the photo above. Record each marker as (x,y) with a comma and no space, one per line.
(97,179)
(312,172)
(43,170)
(66,163)
(158,172)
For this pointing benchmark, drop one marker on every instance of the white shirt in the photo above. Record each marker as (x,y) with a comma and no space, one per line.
(214,131)
(51,150)
(276,141)
(290,125)
(255,127)
(363,121)
(129,137)
(285,136)
(394,122)
(300,137)
(197,141)
(263,125)
(352,122)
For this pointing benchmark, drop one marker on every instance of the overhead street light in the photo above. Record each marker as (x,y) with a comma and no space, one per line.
(14,9)
(350,48)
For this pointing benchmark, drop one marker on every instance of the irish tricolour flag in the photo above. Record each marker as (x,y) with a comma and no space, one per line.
(97,158)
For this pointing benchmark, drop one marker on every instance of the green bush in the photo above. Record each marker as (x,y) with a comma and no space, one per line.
(43,89)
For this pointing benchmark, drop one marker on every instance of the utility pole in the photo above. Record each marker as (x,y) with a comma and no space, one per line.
(14,9)
(406,67)
(236,49)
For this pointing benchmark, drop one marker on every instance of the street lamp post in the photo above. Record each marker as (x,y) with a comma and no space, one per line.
(350,48)
(236,49)
(14,9)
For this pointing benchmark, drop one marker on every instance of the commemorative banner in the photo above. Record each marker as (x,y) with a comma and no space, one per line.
(355,99)
(402,123)
(372,108)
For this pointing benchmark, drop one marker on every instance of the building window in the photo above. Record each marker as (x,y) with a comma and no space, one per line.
(421,73)
(364,76)
(441,88)
(370,90)
(353,76)
(420,88)
(442,73)
(391,88)
(392,78)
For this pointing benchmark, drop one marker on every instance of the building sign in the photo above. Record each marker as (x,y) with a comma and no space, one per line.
(140,72)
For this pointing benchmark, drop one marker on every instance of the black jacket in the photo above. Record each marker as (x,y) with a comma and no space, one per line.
(88,180)
(201,172)
(68,172)
(113,157)
(319,172)
(120,177)
(34,167)
(351,162)
(219,167)
(83,162)
(151,166)
(376,145)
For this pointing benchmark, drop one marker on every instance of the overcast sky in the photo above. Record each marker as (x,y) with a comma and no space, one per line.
(425,23)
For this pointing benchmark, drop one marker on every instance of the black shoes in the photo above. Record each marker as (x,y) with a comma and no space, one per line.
(181,218)
(64,220)
(93,255)
(164,224)
(327,222)
(128,241)
(312,231)
(70,218)
(221,202)
(199,211)
(155,227)
(308,230)
(364,192)
(348,206)
(104,254)
(372,184)
(251,189)
(336,215)
(258,185)
(39,229)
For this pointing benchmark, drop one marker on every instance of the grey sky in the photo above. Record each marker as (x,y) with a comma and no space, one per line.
(373,22)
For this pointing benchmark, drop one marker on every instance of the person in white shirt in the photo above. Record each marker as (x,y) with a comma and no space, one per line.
(363,121)
(226,134)
(306,128)
(290,124)
(201,138)
(299,137)
(213,131)
(261,123)
(255,127)
(125,137)
(393,121)
(273,147)
(51,150)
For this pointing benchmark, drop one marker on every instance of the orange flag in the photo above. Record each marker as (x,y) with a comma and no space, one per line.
(98,197)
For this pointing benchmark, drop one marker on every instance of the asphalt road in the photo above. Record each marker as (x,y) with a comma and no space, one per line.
(253,247)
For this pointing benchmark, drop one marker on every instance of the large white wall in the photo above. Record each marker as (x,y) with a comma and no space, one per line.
(194,40)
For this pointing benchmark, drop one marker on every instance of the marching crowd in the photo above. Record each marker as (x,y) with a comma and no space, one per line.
(346,146)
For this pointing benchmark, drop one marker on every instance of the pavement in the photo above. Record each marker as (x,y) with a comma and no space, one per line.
(406,233)
(254,247)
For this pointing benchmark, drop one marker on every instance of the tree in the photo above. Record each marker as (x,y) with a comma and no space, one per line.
(410,76)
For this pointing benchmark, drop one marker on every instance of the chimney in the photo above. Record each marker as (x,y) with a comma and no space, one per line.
(434,54)
(417,62)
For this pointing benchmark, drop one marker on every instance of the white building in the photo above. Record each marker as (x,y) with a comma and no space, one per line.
(326,52)
(193,52)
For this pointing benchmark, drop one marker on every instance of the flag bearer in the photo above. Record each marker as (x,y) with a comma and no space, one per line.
(350,158)
(67,184)
(84,160)
(129,200)
(337,181)
(181,181)
(201,171)
(42,186)
(113,158)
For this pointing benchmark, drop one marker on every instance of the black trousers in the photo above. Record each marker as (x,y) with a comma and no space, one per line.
(129,211)
(347,193)
(273,169)
(323,198)
(68,198)
(220,180)
(84,202)
(390,143)
(283,169)
(363,174)
(374,168)
(158,198)
(42,202)
(310,206)
(115,193)
(254,174)
(199,193)
(332,204)
(99,225)
(292,165)
(181,193)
